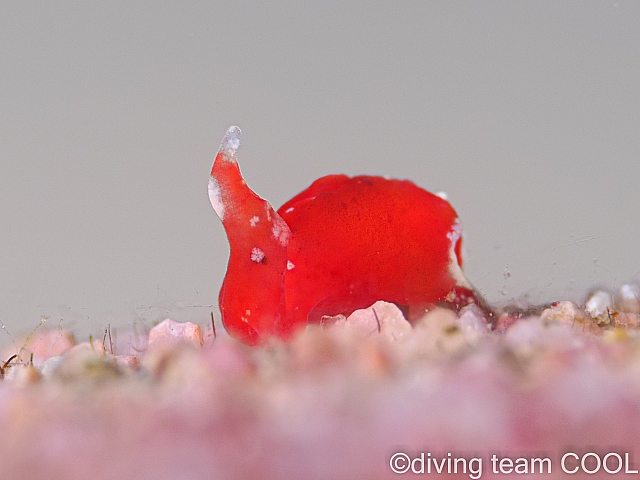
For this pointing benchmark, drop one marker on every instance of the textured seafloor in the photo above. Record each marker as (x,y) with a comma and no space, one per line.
(336,403)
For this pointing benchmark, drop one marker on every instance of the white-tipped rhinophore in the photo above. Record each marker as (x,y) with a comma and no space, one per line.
(258,239)
(226,153)
(231,143)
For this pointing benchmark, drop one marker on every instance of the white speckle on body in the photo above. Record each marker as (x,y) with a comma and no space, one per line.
(257,255)
(215,197)
(455,233)
(253,221)
(290,265)
(289,210)
(442,195)
(280,230)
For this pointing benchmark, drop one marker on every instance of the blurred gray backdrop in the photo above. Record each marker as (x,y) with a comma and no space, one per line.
(526,113)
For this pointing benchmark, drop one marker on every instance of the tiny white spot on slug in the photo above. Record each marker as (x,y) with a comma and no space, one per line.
(257,255)
(290,265)
(253,221)
(442,195)
(289,210)
(280,230)
(455,233)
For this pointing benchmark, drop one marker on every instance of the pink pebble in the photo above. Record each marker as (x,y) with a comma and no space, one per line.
(171,332)
(381,317)
(130,361)
(94,345)
(45,344)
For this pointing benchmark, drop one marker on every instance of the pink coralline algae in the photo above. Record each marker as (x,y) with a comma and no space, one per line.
(341,400)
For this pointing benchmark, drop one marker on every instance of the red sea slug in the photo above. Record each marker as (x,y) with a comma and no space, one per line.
(342,244)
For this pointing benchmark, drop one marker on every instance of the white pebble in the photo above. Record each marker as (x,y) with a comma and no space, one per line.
(598,303)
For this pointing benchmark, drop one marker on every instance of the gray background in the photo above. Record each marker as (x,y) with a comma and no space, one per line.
(526,113)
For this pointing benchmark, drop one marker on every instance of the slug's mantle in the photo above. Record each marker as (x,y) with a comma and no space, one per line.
(340,245)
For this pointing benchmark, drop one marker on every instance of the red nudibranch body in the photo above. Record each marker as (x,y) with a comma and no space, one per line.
(342,244)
